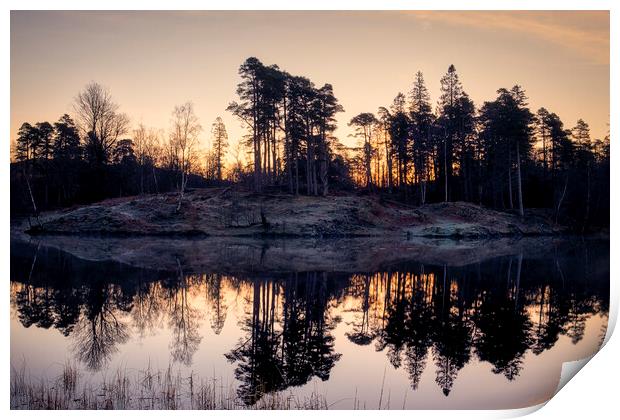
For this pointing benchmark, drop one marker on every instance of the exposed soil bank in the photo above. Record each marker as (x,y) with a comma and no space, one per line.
(226,213)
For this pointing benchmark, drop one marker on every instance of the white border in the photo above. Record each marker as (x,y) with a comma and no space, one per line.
(592,394)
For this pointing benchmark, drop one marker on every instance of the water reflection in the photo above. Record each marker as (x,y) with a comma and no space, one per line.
(286,334)
(493,311)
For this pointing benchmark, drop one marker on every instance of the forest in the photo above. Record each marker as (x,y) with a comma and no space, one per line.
(499,154)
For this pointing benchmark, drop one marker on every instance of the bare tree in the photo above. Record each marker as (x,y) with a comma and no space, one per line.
(99,121)
(147,150)
(139,147)
(236,172)
(184,140)
(154,152)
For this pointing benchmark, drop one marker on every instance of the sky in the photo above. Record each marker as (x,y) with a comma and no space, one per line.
(152,61)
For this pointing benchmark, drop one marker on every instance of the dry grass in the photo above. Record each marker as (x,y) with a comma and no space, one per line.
(144,390)
(69,377)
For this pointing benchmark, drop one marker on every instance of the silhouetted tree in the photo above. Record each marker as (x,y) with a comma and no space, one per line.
(364,124)
(67,145)
(326,108)
(99,121)
(399,135)
(184,141)
(220,144)
(248,109)
(448,121)
(422,120)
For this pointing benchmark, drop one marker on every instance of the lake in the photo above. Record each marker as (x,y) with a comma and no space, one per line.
(173,323)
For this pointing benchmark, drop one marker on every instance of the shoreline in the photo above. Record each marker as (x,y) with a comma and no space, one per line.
(213,212)
(282,255)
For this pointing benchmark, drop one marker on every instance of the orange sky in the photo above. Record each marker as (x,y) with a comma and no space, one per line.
(152,61)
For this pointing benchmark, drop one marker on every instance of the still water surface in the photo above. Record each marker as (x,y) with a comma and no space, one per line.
(490,334)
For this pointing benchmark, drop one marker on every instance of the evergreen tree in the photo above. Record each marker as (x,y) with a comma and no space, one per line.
(66,140)
(448,120)
(364,124)
(220,144)
(422,120)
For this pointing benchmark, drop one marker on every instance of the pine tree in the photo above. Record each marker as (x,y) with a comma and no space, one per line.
(451,92)
(220,145)
(422,120)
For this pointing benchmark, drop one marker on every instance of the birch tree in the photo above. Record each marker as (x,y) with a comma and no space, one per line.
(184,139)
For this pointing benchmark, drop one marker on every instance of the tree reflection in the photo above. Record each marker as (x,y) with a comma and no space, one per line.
(361,333)
(183,320)
(452,333)
(99,330)
(47,307)
(290,338)
(504,327)
(259,369)
(147,307)
(495,311)
(215,294)
(419,327)
(308,345)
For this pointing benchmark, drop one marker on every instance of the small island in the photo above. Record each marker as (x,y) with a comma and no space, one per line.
(460,171)
(225,212)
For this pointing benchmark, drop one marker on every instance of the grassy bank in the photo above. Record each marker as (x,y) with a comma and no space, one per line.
(143,390)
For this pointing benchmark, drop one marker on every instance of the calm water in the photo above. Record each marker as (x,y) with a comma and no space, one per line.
(490,334)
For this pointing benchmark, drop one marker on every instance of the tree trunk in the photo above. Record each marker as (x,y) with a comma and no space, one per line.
(296,173)
(308,160)
(289,168)
(181,191)
(274,154)
(557,210)
(388,162)
(323,165)
(266,160)
(323,175)
(257,169)
(445,169)
(288,149)
(155,180)
(510,179)
(315,187)
(587,213)
(518,282)
(519,186)
(368,152)
(34,205)
(544,140)
(141,178)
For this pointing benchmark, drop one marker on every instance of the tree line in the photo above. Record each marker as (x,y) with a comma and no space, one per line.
(96,155)
(500,154)
(290,126)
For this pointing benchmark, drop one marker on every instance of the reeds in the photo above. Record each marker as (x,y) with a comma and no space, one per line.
(143,390)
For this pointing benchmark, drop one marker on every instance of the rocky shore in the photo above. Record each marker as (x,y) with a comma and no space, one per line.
(222,212)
